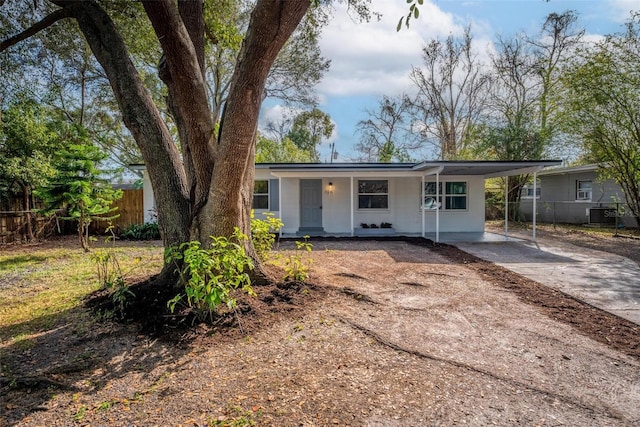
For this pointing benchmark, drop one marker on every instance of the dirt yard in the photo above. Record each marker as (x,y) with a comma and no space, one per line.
(386,333)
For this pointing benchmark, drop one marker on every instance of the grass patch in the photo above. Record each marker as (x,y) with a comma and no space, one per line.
(9,263)
(40,286)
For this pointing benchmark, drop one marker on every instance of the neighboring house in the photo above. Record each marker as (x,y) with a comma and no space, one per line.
(576,195)
(339,198)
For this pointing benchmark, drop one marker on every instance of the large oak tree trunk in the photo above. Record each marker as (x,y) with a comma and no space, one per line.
(208,191)
(229,204)
(142,118)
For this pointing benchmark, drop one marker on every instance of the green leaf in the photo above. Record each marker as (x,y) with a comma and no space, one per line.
(400,24)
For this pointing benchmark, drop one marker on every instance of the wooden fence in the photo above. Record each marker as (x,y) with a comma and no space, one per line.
(130,211)
(13,219)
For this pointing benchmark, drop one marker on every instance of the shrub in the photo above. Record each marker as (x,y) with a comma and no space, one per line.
(263,233)
(146,231)
(296,269)
(210,275)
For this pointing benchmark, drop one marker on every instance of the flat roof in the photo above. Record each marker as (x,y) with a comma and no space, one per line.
(570,169)
(487,168)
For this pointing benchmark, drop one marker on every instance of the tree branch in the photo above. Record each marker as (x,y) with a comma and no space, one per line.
(35,28)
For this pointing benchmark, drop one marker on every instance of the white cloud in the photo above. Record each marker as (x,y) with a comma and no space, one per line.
(620,10)
(373,58)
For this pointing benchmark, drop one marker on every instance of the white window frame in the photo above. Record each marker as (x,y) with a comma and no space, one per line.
(583,195)
(443,196)
(255,194)
(530,189)
(373,194)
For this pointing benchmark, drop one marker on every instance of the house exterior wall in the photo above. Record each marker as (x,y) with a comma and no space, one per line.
(403,212)
(336,207)
(558,198)
(469,220)
(148,200)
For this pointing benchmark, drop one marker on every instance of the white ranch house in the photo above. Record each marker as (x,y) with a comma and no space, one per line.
(408,199)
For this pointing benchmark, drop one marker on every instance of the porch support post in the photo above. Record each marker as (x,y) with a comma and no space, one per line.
(351,204)
(422,203)
(506,206)
(438,206)
(535,177)
(280,204)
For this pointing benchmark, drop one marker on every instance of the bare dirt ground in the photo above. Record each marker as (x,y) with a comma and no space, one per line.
(386,333)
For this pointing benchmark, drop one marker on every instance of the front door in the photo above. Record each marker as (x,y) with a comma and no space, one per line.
(311,204)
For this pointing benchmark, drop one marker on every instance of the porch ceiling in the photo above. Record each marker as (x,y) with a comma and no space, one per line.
(488,169)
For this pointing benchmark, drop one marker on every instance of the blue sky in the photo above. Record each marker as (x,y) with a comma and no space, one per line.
(369,60)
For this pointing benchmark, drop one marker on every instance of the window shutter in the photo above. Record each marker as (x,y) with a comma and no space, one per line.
(274,195)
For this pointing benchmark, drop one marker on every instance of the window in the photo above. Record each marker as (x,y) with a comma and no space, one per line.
(373,194)
(583,190)
(527,192)
(454,194)
(261,194)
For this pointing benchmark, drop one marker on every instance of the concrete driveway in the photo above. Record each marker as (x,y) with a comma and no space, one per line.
(604,280)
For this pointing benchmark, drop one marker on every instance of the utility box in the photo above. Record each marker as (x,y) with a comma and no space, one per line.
(602,216)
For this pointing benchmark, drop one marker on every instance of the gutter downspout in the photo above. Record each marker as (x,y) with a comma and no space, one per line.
(281,204)
(351,205)
(506,207)
(438,206)
(535,177)
(422,204)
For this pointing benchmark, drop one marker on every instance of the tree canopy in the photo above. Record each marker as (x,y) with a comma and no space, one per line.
(603,108)
(204,186)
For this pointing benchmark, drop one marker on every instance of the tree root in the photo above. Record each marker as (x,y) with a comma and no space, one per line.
(358,296)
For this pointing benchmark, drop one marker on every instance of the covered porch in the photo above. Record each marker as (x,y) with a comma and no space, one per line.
(442,200)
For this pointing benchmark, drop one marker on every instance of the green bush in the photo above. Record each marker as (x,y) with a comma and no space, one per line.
(146,231)
(263,233)
(210,275)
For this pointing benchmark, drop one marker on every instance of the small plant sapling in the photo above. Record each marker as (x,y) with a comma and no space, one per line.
(110,274)
(297,269)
